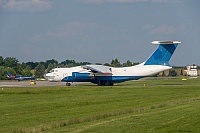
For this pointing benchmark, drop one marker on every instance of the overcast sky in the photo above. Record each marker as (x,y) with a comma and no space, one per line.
(98,31)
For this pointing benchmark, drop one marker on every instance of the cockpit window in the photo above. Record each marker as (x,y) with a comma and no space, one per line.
(53,71)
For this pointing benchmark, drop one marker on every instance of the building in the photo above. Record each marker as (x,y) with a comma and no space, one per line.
(191,71)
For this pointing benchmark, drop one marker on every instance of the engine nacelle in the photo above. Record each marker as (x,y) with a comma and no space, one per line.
(78,75)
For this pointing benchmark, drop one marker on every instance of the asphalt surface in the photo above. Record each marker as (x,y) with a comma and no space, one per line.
(38,83)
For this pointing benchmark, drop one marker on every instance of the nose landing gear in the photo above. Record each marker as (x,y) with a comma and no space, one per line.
(68,84)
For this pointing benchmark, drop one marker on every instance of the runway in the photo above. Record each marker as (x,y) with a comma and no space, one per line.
(38,83)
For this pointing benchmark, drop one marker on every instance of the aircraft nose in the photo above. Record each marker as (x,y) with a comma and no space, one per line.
(49,77)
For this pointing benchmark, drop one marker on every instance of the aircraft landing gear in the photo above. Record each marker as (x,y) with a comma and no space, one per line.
(105,83)
(68,84)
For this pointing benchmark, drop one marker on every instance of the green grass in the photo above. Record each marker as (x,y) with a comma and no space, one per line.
(149,105)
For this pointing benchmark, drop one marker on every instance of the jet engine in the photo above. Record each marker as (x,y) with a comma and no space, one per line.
(78,75)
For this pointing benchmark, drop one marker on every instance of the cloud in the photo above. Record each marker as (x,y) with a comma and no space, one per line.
(74,29)
(165,29)
(70,29)
(127,1)
(26,5)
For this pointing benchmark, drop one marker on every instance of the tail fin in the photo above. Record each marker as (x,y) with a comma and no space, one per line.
(163,53)
(8,74)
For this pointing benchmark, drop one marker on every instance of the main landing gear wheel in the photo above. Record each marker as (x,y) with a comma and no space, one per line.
(105,83)
(68,84)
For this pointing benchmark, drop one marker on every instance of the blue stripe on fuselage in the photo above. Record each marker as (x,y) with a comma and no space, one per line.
(113,79)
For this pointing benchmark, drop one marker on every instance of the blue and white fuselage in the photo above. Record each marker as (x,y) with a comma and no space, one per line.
(19,78)
(106,75)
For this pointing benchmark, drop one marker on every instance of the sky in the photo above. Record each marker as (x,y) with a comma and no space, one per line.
(98,31)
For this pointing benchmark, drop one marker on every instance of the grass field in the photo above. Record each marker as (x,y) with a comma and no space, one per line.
(149,105)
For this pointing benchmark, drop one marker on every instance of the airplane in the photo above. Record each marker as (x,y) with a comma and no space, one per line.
(19,78)
(106,75)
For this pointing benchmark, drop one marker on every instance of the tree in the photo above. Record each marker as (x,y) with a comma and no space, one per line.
(135,63)
(39,71)
(83,63)
(2,73)
(67,62)
(52,61)
(32,64)
(106,64)
(1,61)
(98,63)
(115,63)
(27,71)
(11,62)
(50,67)
(18,69)
(127,64)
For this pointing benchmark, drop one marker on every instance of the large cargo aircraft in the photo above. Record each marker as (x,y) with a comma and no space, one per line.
(106,75)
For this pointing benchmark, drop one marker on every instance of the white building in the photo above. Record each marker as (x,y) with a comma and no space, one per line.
(191,70)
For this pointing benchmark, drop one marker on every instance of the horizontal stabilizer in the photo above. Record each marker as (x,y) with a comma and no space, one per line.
(165,42)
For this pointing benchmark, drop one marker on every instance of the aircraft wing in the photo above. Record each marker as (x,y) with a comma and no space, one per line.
(98,69)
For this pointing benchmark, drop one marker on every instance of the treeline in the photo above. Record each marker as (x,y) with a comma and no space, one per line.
(38,69)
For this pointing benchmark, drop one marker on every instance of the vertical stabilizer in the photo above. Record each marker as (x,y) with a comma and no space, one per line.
(8,74)
(163,53)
